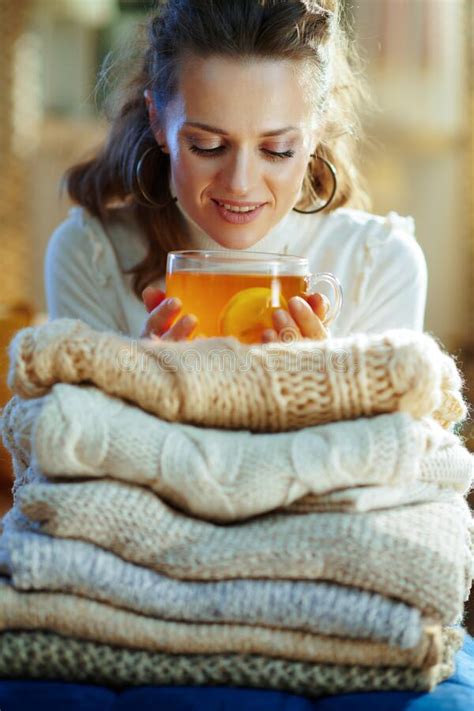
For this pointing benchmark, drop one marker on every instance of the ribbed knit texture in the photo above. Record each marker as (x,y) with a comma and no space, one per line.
(223,383)
(420,554)
(81,431)
(39,562)
(49,656)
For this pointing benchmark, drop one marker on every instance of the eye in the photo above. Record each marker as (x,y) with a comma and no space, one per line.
(275,155)
(206,151)
(272,155)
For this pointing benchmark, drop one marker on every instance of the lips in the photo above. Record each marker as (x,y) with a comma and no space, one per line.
(237,203)
(237,217)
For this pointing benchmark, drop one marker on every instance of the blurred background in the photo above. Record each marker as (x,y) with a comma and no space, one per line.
(418,57)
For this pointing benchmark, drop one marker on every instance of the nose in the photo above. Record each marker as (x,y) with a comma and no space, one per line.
(240,173)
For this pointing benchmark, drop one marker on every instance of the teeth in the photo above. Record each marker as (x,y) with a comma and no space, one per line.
(233,208)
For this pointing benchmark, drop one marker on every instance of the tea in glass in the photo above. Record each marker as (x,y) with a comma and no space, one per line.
(234,293)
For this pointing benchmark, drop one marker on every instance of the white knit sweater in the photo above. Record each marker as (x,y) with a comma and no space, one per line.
(377,260)
(229,475)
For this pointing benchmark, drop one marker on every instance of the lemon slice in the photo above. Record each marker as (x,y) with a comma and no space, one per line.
(249,313)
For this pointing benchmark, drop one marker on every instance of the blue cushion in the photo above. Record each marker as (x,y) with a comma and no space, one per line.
(455,694)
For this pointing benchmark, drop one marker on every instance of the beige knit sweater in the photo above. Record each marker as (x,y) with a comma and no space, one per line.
(223,383)
(99,622)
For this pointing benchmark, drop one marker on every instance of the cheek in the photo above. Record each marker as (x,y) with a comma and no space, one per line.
(289,176)
(190,172)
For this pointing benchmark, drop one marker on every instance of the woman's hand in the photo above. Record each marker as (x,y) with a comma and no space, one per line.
(162,313)
(304,319)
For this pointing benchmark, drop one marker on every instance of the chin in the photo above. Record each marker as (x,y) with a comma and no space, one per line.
(237,238)
(236,241)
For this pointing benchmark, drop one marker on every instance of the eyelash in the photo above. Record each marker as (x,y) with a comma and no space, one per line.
(209,152)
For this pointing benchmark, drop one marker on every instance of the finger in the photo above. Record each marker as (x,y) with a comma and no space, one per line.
(306,320)
(182,329)
(152,297)
(163,316)
(285,326)
(320,305)
(269,336)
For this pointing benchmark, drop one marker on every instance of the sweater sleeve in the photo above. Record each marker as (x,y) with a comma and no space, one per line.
(79,275)
(393,294)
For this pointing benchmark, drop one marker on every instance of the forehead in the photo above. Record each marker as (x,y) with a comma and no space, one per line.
(243,95)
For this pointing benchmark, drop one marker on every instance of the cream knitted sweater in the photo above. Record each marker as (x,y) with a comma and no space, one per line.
(223,383)
(230,475)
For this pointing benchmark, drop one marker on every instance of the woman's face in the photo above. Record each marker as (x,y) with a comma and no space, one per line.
(238,133)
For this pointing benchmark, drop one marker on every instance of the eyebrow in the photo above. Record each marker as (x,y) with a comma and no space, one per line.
(220,132)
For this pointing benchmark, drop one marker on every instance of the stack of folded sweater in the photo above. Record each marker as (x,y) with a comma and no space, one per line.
(287,516)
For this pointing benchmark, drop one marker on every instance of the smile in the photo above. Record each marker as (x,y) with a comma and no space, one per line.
(239,208)
(238,214)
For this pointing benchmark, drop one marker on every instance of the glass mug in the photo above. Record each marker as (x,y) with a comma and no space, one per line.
(233,293)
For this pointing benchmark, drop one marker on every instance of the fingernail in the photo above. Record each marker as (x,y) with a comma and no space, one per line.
(268,335)
(189,320)
(281,316)
(173,303)
(298,304)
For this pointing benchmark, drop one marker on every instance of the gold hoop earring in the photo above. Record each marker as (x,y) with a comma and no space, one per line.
(333,172)
(150,202)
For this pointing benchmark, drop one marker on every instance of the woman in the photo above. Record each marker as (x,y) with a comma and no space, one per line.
(238,131)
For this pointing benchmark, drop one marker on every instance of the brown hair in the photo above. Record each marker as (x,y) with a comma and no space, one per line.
(282,29)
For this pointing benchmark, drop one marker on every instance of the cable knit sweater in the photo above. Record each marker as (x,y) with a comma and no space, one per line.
(223,383)
(81,431)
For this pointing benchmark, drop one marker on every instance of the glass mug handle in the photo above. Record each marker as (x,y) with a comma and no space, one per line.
(328,278)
